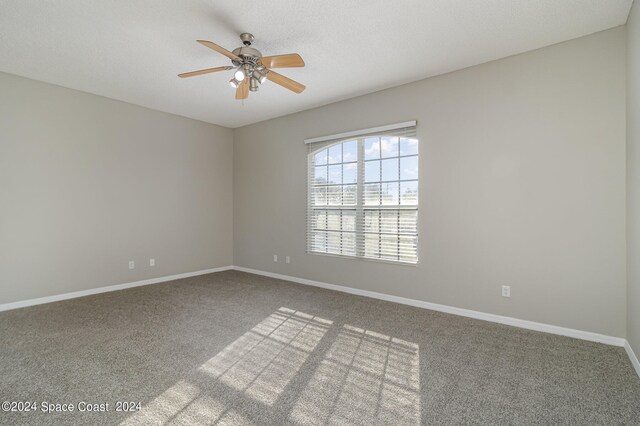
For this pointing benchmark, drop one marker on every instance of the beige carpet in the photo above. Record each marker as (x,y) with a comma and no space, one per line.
(235,348)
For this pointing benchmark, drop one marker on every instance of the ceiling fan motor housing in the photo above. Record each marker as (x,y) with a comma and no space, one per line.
(248,55)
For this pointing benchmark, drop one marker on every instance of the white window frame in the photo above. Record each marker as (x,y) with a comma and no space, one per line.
(360,207)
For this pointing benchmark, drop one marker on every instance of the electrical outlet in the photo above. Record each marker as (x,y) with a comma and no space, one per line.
(152,262)
(287,259)
(275,257)
(132,264)
(506,291)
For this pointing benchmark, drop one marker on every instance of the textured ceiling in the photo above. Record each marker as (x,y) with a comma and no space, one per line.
(132,50)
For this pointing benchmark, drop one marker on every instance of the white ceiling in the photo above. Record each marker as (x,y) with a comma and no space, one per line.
(132,50)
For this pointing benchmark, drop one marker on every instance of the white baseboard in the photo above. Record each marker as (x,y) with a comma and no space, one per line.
(632,357)
(73,295)
(530,325)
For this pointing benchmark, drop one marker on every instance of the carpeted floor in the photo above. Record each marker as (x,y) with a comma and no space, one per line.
(235,348)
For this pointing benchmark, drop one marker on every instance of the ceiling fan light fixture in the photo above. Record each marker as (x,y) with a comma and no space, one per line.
(239,74)
(253,85)
(234,83)
(260,75)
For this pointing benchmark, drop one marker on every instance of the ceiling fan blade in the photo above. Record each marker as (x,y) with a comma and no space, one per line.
(200,72)
(242,92)
(285,82)
(219,49)
(283,61)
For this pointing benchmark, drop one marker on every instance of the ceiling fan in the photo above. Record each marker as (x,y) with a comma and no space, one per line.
(251,68)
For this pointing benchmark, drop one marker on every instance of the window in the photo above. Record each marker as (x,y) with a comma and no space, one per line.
(363,195)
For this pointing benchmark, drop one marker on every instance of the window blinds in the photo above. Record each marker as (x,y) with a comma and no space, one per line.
(363,194)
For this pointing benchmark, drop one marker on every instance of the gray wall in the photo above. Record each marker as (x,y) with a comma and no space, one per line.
(88,183)
(522,183)
(633,178)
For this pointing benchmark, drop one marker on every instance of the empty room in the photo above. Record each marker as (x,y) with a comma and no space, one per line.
(417,212)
